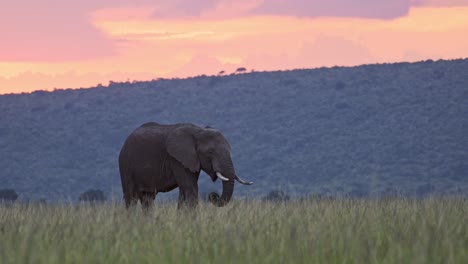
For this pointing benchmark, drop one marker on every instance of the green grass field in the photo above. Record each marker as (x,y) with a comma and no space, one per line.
(327,231)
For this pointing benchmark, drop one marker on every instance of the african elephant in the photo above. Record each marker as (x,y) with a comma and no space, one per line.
(159,158)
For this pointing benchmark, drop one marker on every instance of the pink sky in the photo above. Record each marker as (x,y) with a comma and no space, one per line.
(47,44)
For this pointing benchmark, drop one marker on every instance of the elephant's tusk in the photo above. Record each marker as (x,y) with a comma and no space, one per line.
(242,181)
(221,176)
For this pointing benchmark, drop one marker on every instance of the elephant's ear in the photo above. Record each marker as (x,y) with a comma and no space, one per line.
(181,146)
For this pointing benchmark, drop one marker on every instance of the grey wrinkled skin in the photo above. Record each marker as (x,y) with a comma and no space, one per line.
(159,158)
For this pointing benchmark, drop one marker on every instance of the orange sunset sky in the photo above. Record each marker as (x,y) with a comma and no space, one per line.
(47,44)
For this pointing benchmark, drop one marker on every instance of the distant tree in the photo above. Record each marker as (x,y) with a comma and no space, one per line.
(221,73)
(8,195)
(241,70)
(276,196)
(92,195)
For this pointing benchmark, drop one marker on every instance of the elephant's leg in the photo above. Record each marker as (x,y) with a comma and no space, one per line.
(130,200)
(128,187)
(188,193)
(181,200)
(188,187)
(147,200)
(191,199)
(130,197)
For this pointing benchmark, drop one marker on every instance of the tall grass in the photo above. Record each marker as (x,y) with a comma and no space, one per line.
(325,231)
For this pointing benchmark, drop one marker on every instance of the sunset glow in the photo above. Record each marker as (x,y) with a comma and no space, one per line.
(81,45)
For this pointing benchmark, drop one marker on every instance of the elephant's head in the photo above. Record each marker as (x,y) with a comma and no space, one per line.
(208,150)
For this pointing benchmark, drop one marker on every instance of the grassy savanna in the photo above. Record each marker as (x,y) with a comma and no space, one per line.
(326,231)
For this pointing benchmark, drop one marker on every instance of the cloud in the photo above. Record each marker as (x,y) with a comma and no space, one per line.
(178,9)
(348,8)
(323,51)
(335,8)
(182,8)
(104,36)
(331,51)
(220,9)
(49,30)
(440,3)
(58,31)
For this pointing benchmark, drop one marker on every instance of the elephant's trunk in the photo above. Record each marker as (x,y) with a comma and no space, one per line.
(228,190)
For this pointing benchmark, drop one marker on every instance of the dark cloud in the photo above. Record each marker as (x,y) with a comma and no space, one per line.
(184,8)
(335,8)
(440,3)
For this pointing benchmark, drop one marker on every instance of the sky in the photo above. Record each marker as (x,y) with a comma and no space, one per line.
(48,44)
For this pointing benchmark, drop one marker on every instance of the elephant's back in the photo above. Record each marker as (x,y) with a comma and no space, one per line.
(151,133)
(145,144)
(149,139)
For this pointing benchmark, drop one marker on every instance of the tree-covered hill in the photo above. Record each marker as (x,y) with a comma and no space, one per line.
(367,130)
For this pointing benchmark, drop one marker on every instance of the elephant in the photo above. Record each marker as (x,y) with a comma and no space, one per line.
(159,158)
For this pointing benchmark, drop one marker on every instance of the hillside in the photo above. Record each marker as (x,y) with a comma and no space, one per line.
(367,130)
